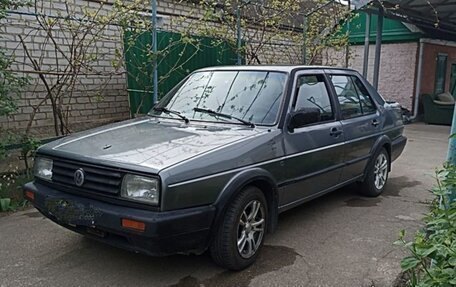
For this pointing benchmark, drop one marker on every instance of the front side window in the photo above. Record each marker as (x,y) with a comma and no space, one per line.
(354,99)
(254,96)
(313,93)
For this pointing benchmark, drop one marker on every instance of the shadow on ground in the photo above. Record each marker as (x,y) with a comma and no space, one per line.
(351,197)
(393,188)
(270,259)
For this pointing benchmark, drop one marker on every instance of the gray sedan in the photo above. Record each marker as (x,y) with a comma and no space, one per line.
(218,158)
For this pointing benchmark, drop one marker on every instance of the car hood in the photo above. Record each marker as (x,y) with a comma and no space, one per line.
(146,144)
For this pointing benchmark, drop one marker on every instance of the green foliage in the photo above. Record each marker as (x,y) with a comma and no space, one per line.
(27,143)
(432,259)
(10,85)
(29,146)
(6,5)
(11,197)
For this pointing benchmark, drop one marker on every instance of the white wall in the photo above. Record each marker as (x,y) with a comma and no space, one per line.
(397,68)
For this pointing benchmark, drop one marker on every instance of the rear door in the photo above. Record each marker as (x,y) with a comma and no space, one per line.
(314,153)
(361,122)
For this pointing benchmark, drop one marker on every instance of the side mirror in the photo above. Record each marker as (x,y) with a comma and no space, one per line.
(303,117)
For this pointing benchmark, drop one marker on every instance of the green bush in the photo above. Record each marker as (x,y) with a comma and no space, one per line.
(11,196)
(11,182)
(432,251)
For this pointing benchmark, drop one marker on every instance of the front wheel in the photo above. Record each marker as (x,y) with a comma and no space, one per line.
(240,236)
(377,175)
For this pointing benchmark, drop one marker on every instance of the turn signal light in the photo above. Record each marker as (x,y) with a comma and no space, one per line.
(133,224)
(30,195)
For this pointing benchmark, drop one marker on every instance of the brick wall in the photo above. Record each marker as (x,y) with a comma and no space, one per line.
(430,53)
(99,94)
(397,68)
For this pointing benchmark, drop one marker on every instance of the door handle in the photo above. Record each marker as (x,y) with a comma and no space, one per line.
(335,132)
(375,122)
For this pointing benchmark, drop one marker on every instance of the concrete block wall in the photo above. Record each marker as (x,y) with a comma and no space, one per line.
(280,52)
(274,51)
(397,69)
(99,93)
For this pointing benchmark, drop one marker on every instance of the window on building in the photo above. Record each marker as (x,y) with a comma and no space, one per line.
(440,73)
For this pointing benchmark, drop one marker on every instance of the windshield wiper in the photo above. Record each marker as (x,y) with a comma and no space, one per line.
(226,116)
(173,112)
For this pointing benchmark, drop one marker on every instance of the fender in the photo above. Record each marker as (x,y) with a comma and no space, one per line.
(379,143)
(241,180)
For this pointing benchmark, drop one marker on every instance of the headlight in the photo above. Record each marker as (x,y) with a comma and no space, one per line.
(140,188)
(42,168)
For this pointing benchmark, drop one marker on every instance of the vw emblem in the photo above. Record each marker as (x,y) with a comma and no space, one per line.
(79,177)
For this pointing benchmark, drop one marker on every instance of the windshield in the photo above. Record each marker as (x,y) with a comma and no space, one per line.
(253,96)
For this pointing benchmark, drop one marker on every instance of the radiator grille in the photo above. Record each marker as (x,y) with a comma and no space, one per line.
(97,179)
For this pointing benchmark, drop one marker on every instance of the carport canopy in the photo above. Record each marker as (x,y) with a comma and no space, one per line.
(434,17)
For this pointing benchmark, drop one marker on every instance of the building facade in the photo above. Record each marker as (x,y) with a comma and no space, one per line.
(401,60)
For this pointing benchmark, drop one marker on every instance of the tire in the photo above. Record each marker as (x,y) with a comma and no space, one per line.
(377,174)
(224,247)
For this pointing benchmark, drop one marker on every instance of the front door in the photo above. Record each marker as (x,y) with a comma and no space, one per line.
(361,121)
(314,152)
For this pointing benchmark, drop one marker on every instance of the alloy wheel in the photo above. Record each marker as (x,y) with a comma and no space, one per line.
(251,229)
(380,171)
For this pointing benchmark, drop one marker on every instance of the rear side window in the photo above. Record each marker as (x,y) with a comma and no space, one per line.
(367,105)
(354,100)
(313,93)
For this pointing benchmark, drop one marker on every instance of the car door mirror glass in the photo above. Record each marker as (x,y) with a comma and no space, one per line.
(303,117)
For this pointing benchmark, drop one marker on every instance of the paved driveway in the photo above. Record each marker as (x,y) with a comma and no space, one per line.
(341,239)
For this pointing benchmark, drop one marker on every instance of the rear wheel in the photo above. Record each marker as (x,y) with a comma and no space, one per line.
(377,175)
(241,233)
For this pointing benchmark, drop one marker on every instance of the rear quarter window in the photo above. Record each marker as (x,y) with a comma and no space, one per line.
(353,97)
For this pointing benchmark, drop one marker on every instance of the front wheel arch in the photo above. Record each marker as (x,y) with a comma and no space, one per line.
(235,229)
(256,177)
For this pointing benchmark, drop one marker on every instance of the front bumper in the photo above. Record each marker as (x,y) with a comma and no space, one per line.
(170,232)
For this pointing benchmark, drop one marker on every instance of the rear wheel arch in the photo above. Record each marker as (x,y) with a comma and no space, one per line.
(387,147)
(376,174)
(382,142)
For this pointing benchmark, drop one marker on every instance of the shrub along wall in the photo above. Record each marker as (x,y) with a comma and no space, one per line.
(98,94)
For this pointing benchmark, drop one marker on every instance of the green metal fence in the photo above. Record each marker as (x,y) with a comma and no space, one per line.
(178,56)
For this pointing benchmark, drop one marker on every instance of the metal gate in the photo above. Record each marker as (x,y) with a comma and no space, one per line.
(178,56)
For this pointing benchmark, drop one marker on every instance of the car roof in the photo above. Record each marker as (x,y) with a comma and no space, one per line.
(278,68)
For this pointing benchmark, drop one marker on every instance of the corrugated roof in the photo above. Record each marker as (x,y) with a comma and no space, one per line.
(435,17)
